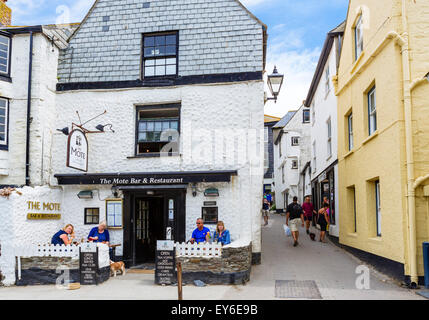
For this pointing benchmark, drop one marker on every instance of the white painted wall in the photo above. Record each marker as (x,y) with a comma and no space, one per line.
(294,183)
(324,107)
(12,161)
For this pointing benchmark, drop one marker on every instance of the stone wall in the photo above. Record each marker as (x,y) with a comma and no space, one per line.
(49,270)
(232,268)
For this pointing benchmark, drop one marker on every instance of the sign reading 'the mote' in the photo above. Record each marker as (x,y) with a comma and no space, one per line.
(77,148)
(165,264)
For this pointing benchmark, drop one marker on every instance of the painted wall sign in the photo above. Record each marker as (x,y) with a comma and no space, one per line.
(43,216)
(43,206)
(77,151)
(145,178)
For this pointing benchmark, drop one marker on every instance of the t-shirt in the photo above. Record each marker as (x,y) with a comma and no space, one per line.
(102,237)
(269,197)
(308,208)
(200,235)
(295,211)
(265,206)
(56,238)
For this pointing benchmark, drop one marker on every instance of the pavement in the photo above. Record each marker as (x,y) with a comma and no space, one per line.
(312,270)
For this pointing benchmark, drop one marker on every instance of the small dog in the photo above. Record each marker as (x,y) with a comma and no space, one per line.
(313,236)
(117,266)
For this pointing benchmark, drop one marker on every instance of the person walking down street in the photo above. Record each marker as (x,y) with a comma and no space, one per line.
(308,208)
(265,210)
(323,220)
(294,216)
(270,199)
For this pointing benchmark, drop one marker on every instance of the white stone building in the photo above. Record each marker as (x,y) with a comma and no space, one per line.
(291,157)
(176,76)
(322,102)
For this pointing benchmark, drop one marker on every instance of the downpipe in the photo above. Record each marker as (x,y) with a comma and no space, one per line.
(27,147)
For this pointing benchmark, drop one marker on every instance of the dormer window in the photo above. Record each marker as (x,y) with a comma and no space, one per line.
(4,55)
(160,54)
(358,38)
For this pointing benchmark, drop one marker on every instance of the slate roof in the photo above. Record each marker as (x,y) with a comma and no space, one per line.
(285,120)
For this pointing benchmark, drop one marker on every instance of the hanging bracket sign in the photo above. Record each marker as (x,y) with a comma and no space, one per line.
(77,150)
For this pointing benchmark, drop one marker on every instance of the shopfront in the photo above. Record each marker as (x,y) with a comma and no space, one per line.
(153,206)
(324,190)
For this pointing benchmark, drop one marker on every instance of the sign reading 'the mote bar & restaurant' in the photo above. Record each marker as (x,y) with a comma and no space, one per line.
(77,151)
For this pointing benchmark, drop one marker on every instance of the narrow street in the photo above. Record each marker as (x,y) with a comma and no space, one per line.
(327,271)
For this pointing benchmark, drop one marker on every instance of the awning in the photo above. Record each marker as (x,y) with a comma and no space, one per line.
(145,178)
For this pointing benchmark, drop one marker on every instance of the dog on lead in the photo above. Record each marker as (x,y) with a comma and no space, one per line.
(115,267)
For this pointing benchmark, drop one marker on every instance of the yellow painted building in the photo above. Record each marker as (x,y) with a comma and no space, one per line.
(383,123)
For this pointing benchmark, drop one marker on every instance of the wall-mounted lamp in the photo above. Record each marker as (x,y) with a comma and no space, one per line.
(275,82)
(86,194)
(101,127)
(115,191)
(194,189)
(64,131)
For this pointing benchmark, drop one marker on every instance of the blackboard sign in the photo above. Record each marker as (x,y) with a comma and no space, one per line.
(88,264)
(165,263)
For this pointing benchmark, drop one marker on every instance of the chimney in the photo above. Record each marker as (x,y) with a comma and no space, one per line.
(5,14)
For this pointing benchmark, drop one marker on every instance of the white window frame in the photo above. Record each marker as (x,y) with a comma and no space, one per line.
(378,207)
(7,55)
(372,111)
(327,81)
(294,164)
(295,141)
(350,130)
(5,142)
(358,31)
(329,141)
(117,204)
(304,111)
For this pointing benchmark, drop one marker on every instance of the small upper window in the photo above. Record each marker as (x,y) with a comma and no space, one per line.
(327,81)
(160,55)
(358,38)
(4,54)
(294,164)
(295,141)
(372,111)
(3,121)
(306,116)
(158,126)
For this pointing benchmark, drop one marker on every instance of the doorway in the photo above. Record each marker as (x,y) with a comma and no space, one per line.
(151,215)
(149,227)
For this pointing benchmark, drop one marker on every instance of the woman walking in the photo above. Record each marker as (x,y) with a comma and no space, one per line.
(323,220)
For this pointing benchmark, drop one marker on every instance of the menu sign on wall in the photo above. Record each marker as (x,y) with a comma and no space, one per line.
(77,148)
(165,262)
(88,264)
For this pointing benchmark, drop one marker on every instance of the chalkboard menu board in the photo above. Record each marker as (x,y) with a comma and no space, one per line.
(165,263)
(88,264)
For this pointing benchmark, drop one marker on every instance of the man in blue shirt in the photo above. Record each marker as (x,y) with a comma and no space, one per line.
(201,233)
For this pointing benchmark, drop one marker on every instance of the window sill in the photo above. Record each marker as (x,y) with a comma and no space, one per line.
(5,78)
(377,240)
(153,155)
(356,63)
(352,235)
(348,154)
(374,134)
(115,228)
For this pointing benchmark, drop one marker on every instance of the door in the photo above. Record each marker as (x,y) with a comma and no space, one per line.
(149,227)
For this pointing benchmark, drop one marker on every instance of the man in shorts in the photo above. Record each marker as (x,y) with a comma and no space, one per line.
(294,217)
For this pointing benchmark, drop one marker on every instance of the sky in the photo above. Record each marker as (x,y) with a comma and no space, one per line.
(296,32)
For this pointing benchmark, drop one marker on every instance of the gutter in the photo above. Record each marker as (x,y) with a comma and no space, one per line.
(27,147)
(411,196)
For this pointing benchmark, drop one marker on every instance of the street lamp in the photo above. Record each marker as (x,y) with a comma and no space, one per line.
(275,81)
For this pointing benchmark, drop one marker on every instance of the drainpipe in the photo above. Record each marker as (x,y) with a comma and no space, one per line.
(27,151)
(411,197)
